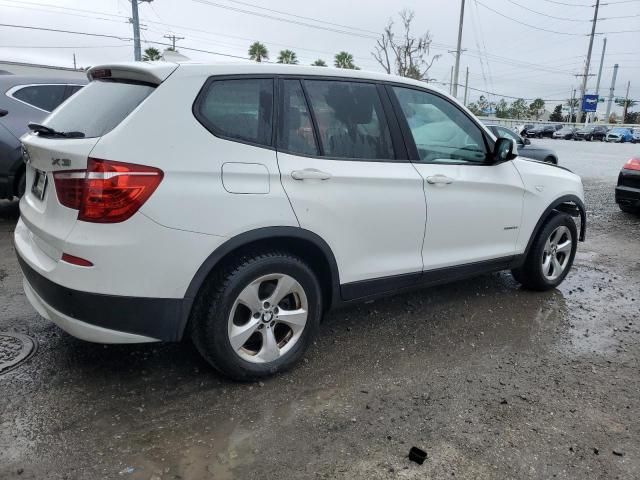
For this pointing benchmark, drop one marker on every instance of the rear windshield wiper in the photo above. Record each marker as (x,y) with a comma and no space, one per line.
(44,130)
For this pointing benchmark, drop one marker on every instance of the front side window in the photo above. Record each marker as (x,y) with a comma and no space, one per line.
(442,133)
(295,132)
(350,120)
(239,109)
(506,133)
(45,97)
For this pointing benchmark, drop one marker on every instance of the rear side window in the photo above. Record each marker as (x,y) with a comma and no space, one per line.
(295,132)
(45,97)
(239,109)
(99,107)
(350,118)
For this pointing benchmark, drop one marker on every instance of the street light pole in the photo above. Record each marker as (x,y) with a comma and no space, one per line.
(612,90)
(456,73)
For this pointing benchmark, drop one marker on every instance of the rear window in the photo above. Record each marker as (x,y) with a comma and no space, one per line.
(44,97)
(98,108)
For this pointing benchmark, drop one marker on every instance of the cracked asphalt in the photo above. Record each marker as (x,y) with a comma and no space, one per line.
(490,380)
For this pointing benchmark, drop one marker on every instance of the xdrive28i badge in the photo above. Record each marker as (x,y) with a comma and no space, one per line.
(60,162)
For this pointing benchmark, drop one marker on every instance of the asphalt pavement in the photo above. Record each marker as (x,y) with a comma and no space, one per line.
(490,380)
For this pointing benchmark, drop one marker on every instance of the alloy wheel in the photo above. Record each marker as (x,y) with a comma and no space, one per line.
(556,253)
(268,318)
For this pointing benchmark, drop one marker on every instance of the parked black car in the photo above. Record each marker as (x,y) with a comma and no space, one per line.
(628,189)
(525,147)
(541,131)
(591,132)
(25,99)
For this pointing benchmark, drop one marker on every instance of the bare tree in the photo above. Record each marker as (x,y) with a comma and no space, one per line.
(404,54)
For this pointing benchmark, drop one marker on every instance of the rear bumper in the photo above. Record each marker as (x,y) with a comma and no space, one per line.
(628,196)
(103,318)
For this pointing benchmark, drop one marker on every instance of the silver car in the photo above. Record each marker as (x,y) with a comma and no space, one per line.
(525,147)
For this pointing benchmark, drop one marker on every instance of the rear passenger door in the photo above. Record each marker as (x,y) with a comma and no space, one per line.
(345,171)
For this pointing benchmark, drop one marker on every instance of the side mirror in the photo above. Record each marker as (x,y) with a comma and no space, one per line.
(505,149)
(3,112)
(527,141)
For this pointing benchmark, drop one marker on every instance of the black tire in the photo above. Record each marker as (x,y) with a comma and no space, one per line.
(210,320)
(551,160)
(530,274)
(628,209)
(21,184)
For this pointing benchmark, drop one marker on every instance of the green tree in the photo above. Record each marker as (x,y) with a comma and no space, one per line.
(502,109)
(473,107)
(556,116)
(344,60)
(626,104)
(518,108)
(151,54)
(536,108)
(319,63)
(258,52)
(288,56)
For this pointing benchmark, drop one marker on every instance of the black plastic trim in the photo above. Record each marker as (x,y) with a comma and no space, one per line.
(151,317)
(554,206)
(367,289)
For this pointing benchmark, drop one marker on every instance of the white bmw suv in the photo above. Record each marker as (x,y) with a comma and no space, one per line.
(234,204)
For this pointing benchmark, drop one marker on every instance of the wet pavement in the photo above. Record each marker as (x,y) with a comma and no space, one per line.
(490,380)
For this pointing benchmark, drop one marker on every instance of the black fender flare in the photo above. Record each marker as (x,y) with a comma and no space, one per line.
(245,238)
(561,204)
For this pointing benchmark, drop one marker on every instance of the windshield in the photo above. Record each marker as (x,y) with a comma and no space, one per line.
(98,108)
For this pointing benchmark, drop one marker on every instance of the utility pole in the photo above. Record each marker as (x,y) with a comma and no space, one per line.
(451,82)
(173,39)
(74,61)
(573,96)
(135,20)
(611,90)
(626,103)
(466,88)
(604,49)
(588,63)
(454,92)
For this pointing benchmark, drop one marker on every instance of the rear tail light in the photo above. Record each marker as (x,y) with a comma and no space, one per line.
(633,164)
(73,260)
(107,192)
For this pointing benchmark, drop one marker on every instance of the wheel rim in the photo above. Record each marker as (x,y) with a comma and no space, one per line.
(267,318)
(556,253)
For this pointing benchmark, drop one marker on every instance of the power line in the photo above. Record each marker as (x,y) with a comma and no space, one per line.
(126,39)
(548,16)
(67,8)
(528,25)
(567,4)
(281,19)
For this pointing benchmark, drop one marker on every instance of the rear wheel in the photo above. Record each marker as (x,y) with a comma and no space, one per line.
(258,316)
(551,256)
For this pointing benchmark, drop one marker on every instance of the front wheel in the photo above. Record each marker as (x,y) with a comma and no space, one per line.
(551,256)
(258,316)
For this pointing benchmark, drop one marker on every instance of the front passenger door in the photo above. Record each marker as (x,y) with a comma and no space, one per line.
(474,208)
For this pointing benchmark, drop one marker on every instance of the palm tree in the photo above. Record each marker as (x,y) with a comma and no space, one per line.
(344,60)
(287,56)
(319,63)
(258,52)
(151,54)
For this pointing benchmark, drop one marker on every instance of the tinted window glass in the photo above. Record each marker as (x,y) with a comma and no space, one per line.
(295,132)
(241,109)
(98,108)
(506,133)
(46,97)
(441,131)
(350,119)
(71,89)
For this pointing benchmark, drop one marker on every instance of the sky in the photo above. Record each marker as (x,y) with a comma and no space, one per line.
(513,48)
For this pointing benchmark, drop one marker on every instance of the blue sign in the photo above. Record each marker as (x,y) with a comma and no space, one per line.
(589,103)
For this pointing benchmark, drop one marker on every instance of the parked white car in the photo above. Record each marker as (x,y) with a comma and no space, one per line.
(234,204)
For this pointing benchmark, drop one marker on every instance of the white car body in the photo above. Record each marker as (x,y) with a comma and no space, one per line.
(379,220)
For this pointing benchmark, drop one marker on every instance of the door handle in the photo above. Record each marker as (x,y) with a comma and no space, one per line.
(439,180)
(310,174)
